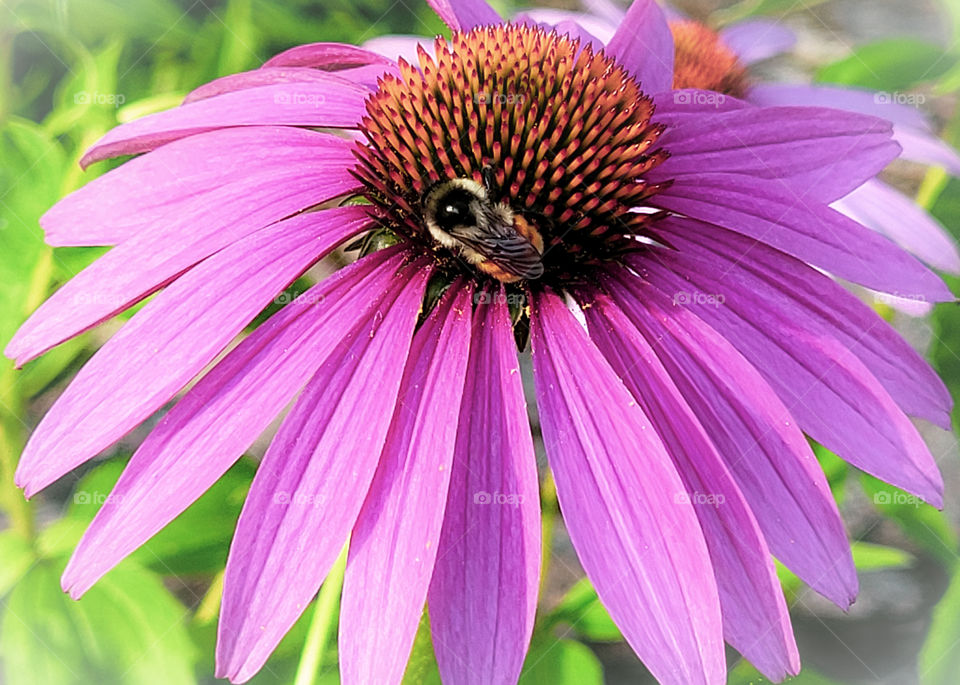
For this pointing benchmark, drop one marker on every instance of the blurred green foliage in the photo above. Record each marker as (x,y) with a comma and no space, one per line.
(71,70)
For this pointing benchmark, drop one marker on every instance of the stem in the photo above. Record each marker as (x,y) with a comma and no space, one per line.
(210,604)
(321,626)
(548,496)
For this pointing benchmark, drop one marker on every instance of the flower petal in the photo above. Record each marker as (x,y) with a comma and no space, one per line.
(173,338)
(920,146)
(643,44)
(754,611)
(336,103)
(221,416)
(774,214)
(891,213)
(833,395)
(756,437)
(183,219)
(463,15)
(740,264)
(483,596)
(849,99)
(619,494)
(327,56)
(754,40)
(199,178)
(397,46)
(394,543)
(268,76)
(823,154)
(309,488)
(591,27)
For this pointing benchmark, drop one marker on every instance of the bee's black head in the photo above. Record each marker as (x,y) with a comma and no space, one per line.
(456,208)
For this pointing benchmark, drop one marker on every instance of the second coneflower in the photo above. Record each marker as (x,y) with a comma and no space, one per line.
(518,182)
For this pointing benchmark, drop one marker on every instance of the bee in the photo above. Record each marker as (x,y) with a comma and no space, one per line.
(498,241)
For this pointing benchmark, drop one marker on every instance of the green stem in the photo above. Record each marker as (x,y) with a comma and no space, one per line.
(321,626)
(548,497)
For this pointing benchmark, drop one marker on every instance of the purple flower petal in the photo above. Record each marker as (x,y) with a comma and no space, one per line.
(822,154)
(756,437)
(335,104)
(483,596)
(754,40)
(309,488)
(328,57)
(832,394)
(197,204)
(754,611)
(594,28)
(691,105)
(643,44)
(803,294)
(173,338)
(268,76)
(774,214)
(850,99)
(397,46)
(887,211)
(463,15)
(926,148)
(394,543)
(162,192)
(221,416)
(607,10)
(621,498)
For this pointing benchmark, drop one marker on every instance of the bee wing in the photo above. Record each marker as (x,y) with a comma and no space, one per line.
(504,247)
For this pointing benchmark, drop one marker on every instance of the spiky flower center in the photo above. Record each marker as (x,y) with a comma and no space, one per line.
(516,153)
(702,60)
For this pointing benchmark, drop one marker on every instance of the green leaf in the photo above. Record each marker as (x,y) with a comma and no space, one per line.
(870,557)
(30,160)
(126,630)
(422,667)
(939,660)
(561,662)
(889,65)
(17,557)
(924,524)
(583,611)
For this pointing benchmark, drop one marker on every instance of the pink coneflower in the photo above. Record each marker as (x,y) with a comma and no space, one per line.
(520,180)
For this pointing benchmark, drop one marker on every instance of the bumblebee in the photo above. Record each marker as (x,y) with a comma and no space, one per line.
(489,235)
